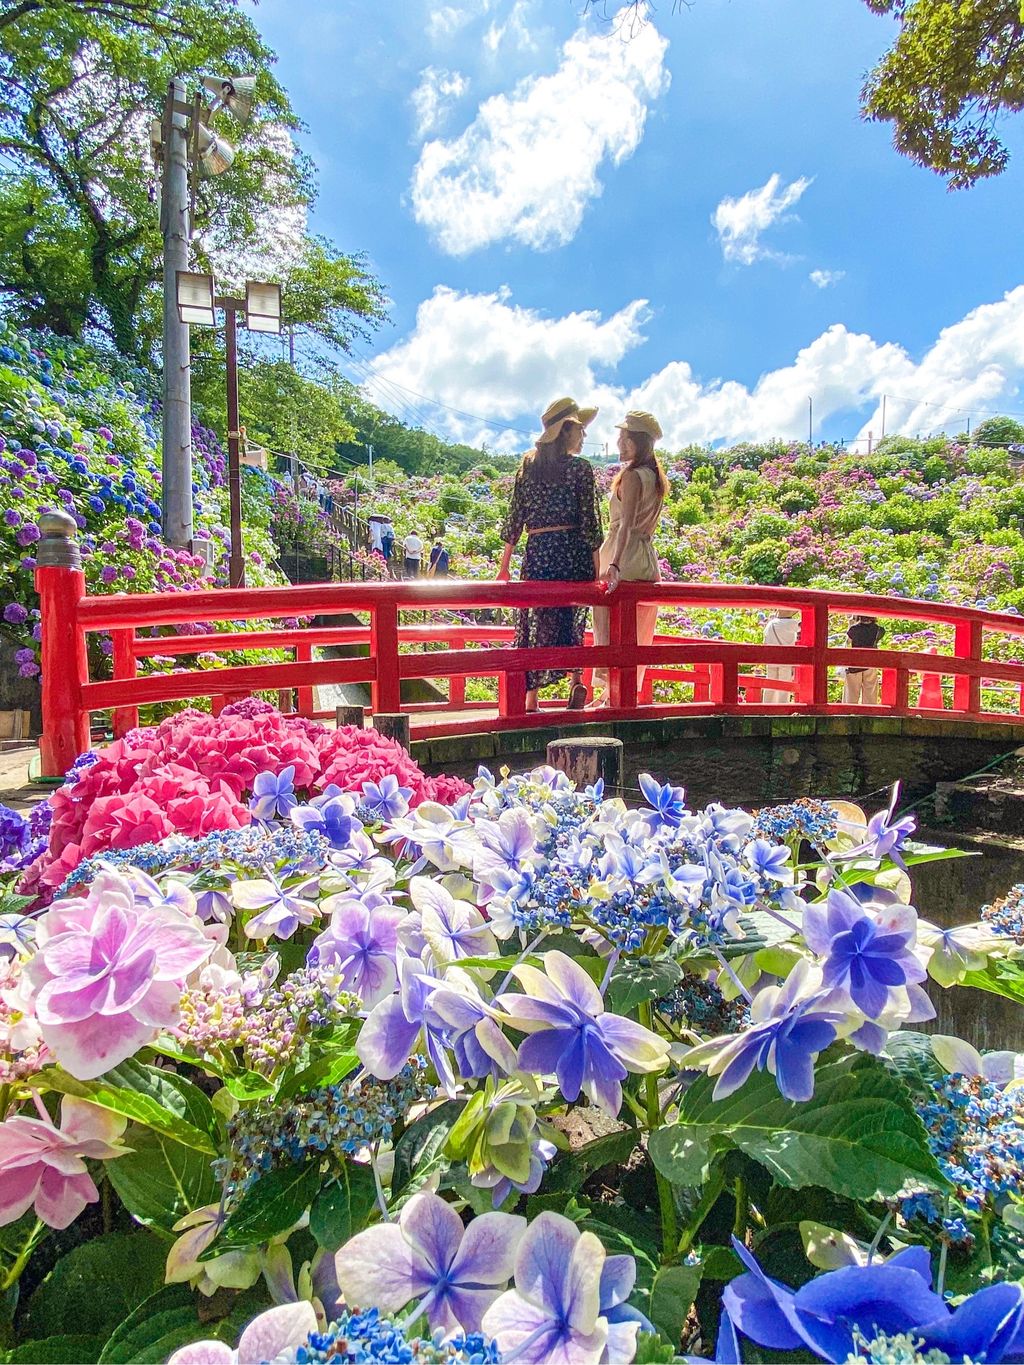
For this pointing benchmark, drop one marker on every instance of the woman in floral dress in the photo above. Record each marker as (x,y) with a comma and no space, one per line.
(554,499)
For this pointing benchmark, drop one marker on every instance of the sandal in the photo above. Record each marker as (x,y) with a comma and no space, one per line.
(578,697)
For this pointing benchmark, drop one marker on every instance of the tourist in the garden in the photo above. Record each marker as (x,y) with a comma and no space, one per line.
(635,501)
(781,628)
(860,687)
(554,499)
(387,545)
(412,555)
(439,561)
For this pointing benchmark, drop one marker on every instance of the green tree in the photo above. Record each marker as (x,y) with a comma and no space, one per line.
(955,69)
(80,81)
(1002,431)
(285,411)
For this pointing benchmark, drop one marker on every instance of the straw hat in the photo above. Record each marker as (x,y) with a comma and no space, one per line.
(559,412)
(641,421)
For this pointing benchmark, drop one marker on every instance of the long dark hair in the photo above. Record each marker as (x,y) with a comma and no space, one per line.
(643,444)
(548,463)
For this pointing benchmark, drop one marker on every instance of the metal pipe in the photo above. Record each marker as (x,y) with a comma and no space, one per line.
(176,414)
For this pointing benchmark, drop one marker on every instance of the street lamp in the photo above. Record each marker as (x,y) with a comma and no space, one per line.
(183,144)
(197,303)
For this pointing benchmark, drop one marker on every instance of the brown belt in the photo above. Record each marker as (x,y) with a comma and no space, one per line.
(540,530)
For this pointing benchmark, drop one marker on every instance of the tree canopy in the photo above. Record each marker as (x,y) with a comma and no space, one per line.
(80,81)
(955,69)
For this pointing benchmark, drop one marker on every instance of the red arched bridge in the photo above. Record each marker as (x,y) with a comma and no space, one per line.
(399,640)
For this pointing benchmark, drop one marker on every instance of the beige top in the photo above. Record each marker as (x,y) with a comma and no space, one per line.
(649,511)
(637,561)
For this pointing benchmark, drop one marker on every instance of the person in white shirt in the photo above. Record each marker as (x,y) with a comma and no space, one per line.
(412,552)
(783,628)
(376,535)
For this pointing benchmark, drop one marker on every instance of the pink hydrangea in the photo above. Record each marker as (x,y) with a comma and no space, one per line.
(193,773)
(108,974)
(44,1165)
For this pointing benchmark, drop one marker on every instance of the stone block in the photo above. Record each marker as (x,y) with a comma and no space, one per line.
(457,749)
(788,726)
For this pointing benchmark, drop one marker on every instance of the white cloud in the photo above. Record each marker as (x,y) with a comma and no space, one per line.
(447,20)
(482,354)
(821,279)
(740,222)
(516,30)
(433,98)
(527,166)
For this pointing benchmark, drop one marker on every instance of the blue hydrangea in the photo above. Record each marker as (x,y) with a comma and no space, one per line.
(976,1132)
(364,1338)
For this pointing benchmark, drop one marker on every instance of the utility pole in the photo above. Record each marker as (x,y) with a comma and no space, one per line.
(176,415)
(295,421)
(810,423)
(370,452)
(883,416)
(236,570)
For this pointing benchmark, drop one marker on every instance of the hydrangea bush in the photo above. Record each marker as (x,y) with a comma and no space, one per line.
(391,1071)
(75,438)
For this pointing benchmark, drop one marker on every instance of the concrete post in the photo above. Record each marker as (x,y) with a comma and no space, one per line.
(176,416)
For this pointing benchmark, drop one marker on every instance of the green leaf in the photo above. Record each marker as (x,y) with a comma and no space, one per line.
(419,1148)
(249,1085)
(274,1204)
(760,930)
(64,1350)
(571,1169)
(97,1285)
(998,977)
(166,1320)
(328,1069)
(651,1350)
(159,1181)
(169,1319)
(675,1288)
(635,983)
(910,1054)
(342,1208)
(165,1102)
(859,1136)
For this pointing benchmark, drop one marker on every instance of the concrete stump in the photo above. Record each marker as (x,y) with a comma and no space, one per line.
(393,724)
(350,715)
(585,760)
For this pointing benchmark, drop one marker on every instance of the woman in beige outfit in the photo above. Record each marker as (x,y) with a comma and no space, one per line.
(627,555)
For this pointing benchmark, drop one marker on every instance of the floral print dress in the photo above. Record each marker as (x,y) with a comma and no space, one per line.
(554,556)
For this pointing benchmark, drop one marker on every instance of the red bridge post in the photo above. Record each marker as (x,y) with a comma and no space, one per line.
(60,584)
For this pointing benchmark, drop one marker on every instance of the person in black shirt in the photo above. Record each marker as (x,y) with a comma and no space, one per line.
(861,685)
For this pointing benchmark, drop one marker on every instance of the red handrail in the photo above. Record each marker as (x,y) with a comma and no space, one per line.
(395,651)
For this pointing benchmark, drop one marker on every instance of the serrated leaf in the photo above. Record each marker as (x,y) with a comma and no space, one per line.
(97,1285)
(169,1314)
(274,1204)
(635,983)
(859,1136)
(159,1181)
(910,1054)
(161,1100)
(62,1350)
(570,1170)
(328,1069)
(675,1288)
(342,1208)
(421,1144)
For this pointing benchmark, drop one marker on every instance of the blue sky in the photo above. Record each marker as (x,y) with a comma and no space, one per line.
(558,207)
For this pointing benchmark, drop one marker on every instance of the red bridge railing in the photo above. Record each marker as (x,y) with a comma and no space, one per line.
(717,673)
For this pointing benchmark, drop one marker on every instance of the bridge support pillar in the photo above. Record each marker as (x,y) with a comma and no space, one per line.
(585,760)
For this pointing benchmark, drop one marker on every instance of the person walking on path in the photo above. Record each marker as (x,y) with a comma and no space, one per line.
(782,628)
(635,501)
(860,687)
(412,552)
(439,561)
(387,546)
(554,499)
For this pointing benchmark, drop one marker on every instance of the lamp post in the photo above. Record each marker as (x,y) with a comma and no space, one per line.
(183,143)
(197,303)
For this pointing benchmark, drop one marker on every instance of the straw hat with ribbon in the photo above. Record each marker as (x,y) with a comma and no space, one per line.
(641,421)
(559,412)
